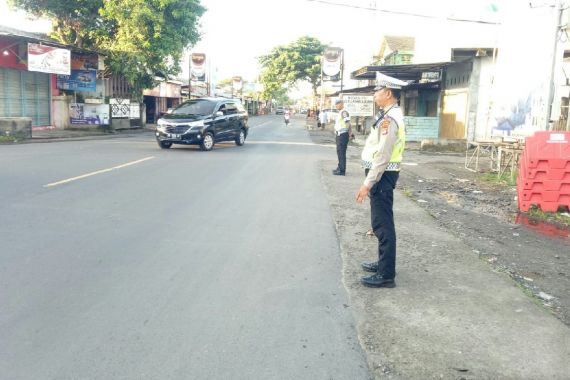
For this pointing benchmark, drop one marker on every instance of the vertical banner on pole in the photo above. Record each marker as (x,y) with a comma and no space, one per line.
(332,63)
(198,67)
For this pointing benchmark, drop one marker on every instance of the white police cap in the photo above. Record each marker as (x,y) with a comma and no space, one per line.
(385,81)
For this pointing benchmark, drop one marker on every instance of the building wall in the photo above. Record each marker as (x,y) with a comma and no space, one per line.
(480,116)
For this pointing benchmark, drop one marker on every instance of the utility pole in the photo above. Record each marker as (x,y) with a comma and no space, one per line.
(322,103)
(190,77)
(557,18)
(341,70)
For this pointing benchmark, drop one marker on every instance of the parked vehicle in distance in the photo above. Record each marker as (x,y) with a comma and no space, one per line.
(279,111)
(203,122)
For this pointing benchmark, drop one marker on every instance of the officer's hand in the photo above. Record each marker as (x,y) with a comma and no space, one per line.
(362,193)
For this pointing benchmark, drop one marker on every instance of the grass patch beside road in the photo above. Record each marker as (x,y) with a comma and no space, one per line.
(535,213)
(556,217)
(7,139)
(506,180)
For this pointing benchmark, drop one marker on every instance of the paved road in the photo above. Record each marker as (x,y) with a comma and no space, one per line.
(119,260)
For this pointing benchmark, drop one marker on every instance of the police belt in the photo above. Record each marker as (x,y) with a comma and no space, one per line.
(393,167)
(341,131)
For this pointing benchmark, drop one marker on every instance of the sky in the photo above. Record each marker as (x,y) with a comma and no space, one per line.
(236,33)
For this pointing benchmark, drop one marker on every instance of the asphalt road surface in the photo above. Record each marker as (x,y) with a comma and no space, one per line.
(119,260)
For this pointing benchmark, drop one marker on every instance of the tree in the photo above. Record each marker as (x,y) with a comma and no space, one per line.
(287,65)
(140,38)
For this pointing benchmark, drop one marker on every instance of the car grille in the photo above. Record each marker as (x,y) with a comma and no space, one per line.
(178,129)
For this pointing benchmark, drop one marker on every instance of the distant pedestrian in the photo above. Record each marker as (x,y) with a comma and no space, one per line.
(381,159)
(341,130)
(322,119)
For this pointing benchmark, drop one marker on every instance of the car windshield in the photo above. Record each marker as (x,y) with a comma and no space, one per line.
(195,107)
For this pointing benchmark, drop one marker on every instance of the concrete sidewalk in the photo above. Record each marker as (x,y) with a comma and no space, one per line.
(86,134)
(450,316)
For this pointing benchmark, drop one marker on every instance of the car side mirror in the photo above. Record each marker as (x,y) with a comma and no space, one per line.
(219,114)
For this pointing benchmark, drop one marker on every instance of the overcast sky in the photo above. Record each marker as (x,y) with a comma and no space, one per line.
(235,33)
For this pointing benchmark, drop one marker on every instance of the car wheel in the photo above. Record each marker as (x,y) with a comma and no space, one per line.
(240,139)
(164,144)
(208,142)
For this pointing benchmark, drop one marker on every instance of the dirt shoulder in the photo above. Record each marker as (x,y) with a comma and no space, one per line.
(452,314)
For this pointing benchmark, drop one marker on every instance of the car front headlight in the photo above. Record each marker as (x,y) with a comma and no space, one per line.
(161,124)
(196,125)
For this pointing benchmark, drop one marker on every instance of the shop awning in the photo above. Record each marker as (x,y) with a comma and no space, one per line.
(404,72)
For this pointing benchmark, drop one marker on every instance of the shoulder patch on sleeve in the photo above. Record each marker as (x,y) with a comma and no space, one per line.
(345,114)
(386,122)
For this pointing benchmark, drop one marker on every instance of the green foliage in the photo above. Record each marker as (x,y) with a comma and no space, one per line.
(556,217)
(506,180)
(284,66)
(7,139)
(140,38)
(73,21)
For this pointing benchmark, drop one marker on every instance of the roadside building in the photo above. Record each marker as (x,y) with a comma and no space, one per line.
(44,81)
(166,95)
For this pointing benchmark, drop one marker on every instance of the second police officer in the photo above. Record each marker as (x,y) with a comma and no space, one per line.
(381,158)
(341,130)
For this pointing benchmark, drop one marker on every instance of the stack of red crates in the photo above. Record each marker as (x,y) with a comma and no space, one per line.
(544,172)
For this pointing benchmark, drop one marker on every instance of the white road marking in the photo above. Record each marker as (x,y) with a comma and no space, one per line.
(98,172)
(287,143)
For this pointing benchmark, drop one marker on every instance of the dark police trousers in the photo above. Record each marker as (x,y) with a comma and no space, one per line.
(341,145)
(381,205)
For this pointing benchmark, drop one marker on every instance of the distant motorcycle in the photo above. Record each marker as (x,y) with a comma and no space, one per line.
(286,117)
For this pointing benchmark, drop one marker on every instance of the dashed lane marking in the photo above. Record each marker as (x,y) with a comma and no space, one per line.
(97,172)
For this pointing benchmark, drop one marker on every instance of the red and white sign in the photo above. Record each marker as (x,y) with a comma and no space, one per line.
(49,59)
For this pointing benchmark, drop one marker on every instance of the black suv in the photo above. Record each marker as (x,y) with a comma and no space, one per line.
(203,122)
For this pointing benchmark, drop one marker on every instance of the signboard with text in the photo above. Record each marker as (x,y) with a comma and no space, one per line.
(359,105)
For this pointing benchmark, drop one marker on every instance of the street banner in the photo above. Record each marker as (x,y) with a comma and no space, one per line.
(91,114)
(83,61)
(79,80)
(198,67)
(237,83)
(48,59)
(331,64)
(358,105)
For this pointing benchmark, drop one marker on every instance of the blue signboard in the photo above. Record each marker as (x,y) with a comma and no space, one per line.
(79,80)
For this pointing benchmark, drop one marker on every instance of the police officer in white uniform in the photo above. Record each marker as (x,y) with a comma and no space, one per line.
(381,159)
(341,130)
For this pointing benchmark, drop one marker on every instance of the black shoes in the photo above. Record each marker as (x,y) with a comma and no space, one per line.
(377,281)
(370,267)
(337,172)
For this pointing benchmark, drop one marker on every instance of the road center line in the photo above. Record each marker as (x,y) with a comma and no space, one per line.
(98,172)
